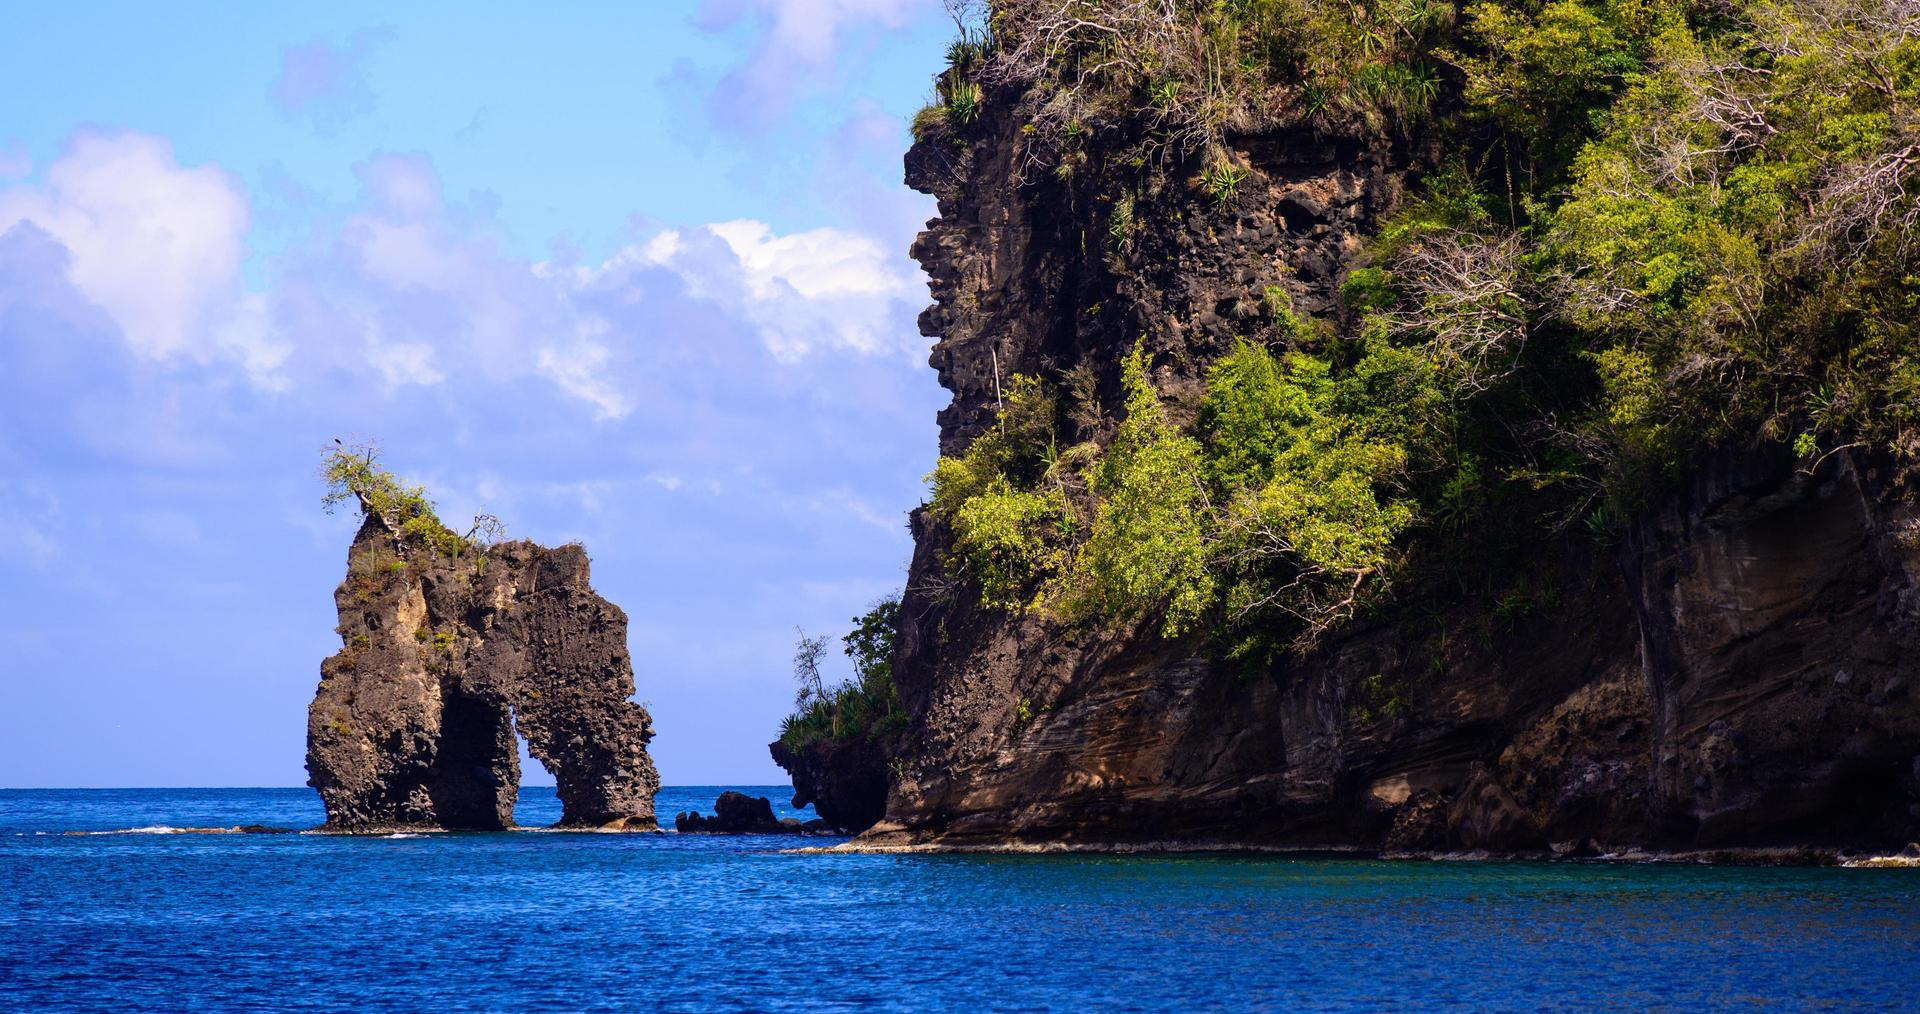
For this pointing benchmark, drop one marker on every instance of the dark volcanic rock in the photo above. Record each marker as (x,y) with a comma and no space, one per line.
(1738,674)
(733,813)
(845,783)
(1779,616)
(739,813)
(414,721)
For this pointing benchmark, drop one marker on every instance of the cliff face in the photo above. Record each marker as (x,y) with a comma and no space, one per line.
(1779,617)
(1734,672)
(414,722)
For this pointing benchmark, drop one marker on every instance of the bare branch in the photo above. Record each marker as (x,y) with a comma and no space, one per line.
(1466,300)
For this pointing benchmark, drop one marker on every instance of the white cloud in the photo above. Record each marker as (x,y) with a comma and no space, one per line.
(807,30)
(803,292)
(245,332)
(402,184)
(580,370)
(405,363)
(411,291)
(155,244)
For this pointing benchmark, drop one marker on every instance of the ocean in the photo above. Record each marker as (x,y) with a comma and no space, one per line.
(153,921)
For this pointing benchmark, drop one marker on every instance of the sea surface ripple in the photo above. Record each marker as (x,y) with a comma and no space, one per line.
(520,921)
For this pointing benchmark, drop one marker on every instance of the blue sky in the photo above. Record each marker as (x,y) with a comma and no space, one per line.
(632,274)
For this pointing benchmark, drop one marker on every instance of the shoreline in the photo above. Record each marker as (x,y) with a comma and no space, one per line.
(1741,856)
(1808,856)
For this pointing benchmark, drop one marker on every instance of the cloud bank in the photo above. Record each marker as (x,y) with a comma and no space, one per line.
(410,290)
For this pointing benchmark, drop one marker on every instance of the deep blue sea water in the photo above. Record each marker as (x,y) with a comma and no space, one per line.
(548,921)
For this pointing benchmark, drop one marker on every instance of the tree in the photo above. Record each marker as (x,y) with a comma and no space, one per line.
(807,652)
(870,644)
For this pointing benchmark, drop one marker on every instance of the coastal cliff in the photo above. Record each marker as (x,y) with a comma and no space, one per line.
(451,647)
(1708,644)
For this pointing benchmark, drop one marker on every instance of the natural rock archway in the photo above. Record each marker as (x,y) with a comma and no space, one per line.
(449,648)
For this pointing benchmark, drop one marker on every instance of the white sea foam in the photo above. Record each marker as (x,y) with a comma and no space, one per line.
(154,829)
(162,829)
(1904,861)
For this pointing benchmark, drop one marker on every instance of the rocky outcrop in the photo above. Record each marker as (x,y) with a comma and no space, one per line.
(1035,273)
(445,659)
(844,782)
(739,813)
(1736,672)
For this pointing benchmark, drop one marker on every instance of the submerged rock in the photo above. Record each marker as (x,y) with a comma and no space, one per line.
(444,658)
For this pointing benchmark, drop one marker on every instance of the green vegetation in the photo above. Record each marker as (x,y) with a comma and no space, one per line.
(1656,229)
(1227,64)
(1282,503)
(352,473)
(957,94)
(866,708)
(1376,697)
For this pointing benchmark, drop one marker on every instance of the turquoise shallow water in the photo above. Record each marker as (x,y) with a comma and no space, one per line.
(663,922)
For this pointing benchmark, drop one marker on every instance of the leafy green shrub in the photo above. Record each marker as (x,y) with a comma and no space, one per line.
(352,473)
(1221,180)
(1007,511)
(929,121)
(1254,407)
(964,102)
(1377,697)
(1275,508)
(1120,222)
(1146,547)
(866,708)
(1305,532)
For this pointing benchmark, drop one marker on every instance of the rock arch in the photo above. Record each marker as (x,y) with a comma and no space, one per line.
(444,658)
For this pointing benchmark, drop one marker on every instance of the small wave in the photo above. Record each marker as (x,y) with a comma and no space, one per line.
(170,829)
(403,834)
(153,829)
(1903,861)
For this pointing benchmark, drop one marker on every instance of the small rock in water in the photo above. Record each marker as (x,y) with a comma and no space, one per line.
(739,813)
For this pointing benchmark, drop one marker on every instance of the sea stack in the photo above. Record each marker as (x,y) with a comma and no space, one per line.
(450,646)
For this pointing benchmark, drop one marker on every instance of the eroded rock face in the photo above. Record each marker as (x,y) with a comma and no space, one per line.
(414,721)
(845,783)
(1780,623)
(1738,672)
